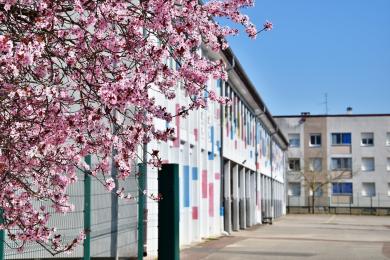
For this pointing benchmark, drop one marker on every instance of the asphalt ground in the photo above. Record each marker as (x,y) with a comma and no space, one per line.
(327,237)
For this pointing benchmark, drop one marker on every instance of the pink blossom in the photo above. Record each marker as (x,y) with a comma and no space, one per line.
(268,26)
(110,184)
(82,85)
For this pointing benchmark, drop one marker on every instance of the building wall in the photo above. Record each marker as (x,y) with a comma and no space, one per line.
(224,155)
(315,125)
(378,125)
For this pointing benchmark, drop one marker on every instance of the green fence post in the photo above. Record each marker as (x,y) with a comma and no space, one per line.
(141,208)
(2,236)
(168,213)
(87,212)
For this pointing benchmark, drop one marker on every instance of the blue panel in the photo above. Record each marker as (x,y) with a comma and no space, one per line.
(186,185)
(221,211)
(211,154)
(251,154)
(347,188)
(219,83)
(194,173)
(219,147)
(346,138)
(342,188)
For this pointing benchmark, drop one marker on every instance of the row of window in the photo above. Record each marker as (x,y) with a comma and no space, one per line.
(336,164)
(367,139)
(338,189)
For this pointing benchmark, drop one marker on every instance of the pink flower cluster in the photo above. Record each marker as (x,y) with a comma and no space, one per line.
(76,79)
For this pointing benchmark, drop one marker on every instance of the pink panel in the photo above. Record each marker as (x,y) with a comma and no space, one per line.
(217,176)
(165,161)
(194,212)
(211,199)
(204,184)
(176,142)
(196,134)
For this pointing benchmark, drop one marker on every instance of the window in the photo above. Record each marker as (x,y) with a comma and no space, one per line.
(341,164)
(342,188)
(315,140)
(368,164)
(368,189)
(341,138)
(388,164)
(388,189)
(293,140)
(315,164)
(294,164)
(294,189)
(388,138)
(367,139)
(318,190)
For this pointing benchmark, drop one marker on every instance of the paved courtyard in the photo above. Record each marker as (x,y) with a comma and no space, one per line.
(303,237)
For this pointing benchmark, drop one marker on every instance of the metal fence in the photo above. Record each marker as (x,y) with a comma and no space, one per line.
(341,204)
(113,224)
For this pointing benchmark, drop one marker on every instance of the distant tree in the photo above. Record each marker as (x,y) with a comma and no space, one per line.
(315,177)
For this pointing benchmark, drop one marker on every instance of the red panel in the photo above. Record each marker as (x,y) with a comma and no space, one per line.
(204,184)
(211,199)
(194,212)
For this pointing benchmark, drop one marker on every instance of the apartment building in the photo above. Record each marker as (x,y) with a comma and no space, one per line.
(338,160)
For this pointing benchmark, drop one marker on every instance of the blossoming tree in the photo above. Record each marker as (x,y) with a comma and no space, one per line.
(75,80)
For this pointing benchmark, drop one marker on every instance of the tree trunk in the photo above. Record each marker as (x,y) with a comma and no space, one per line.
(312,203)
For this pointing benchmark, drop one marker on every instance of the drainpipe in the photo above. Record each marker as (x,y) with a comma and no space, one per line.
(222,180)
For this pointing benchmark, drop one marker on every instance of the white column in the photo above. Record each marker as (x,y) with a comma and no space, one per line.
(253,197)
(227,202)
(235,199)
(242,199)
(248,198)
(258,198)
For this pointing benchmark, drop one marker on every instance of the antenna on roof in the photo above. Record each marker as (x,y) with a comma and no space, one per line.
(326,103)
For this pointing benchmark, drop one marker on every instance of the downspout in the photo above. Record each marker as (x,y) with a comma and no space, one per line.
(222,190)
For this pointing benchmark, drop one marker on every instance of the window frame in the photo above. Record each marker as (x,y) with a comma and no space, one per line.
(290,184)
(311,164)
(339,186)
(387,139)
(296,160)
(373,164)
(342,163)
(319,191)
(368,194)
(342,136)
(388,164)
(317,136)
(366,139)
(292,144)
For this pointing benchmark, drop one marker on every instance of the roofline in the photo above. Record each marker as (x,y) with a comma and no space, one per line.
(335,115)
(252,90)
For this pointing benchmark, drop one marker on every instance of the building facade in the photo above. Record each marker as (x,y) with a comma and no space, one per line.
(338,161)
(231,175)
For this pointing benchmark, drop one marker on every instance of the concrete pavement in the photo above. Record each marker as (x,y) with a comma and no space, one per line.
(303,237)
